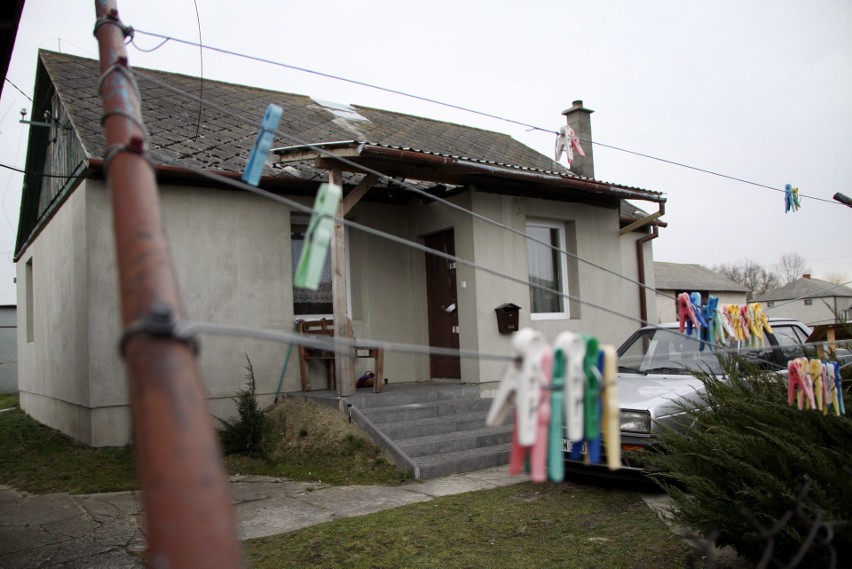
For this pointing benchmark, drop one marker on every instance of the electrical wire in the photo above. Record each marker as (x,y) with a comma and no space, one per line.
(465,109)
(404,185)
(201,62)
(809,295)
(18,88)
(30,173)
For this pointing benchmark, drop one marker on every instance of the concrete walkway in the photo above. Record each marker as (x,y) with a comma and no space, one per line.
(105,530)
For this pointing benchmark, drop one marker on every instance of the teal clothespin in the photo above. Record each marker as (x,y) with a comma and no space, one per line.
(555,457)
(318,237)
(254,167)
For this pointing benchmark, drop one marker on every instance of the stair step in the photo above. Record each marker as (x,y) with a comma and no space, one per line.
(433,426)
(438,465)
(448,408)
(456,441)
(425,394)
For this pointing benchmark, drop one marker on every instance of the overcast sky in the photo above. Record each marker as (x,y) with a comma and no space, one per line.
(759,90)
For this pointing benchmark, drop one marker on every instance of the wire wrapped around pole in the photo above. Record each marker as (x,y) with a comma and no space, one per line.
(189,517)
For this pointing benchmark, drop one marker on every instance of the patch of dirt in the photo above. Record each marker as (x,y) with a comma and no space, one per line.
(307,424)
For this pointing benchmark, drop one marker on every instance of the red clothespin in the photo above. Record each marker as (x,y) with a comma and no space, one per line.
(687,311)
(799,385)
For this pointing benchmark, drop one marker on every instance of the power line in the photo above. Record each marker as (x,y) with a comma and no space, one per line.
(406,186)
(201,61)
(30,173)
(19,89)
(461,108)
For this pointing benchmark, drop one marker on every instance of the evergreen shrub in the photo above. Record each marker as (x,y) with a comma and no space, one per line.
(244,434)
(758,474)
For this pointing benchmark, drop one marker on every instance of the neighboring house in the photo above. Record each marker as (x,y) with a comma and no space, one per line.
(8,349)
(675,278)
(234,251)
(813,301)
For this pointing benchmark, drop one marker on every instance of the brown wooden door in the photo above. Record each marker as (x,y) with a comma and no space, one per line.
(442,305)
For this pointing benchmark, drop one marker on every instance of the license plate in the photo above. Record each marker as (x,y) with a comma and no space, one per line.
(566,446)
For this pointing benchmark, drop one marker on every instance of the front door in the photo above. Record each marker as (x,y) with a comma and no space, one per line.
(442,305)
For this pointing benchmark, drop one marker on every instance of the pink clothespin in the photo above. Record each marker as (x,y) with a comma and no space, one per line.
(687,311)
(522,385)
(799,385)
(568,142)
(574,348)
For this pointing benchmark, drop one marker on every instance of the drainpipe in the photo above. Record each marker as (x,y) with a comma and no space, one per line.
(640,261)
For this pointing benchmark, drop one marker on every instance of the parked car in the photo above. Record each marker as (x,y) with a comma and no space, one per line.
(655,379)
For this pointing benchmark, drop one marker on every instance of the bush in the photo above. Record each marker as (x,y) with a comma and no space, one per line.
(245,433)
(760,475)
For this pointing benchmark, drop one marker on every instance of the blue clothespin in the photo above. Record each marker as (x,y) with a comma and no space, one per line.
(791,198)
(257,160)
(318,237)
(712,325)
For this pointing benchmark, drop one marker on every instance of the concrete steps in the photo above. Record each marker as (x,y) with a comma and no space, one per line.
(433,429)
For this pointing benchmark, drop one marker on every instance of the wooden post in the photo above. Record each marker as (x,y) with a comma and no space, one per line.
(344,365)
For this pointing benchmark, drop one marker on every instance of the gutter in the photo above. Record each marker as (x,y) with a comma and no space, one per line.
(640,261)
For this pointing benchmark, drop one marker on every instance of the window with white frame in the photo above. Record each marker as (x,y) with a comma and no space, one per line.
(547,269)
(308,302)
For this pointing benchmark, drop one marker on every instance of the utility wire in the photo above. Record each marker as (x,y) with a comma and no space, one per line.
(30,173)
(201,62)
(460,108)
(405,186)
(809,295)
(19,89)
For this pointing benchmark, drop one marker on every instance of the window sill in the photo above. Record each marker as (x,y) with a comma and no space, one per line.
(550,316)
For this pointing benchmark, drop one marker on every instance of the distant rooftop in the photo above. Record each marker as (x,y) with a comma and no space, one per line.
(806,288)
(689,277)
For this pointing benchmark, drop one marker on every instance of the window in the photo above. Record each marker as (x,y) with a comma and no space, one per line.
(809,301)
(547,268)
(770,304)
(305,301)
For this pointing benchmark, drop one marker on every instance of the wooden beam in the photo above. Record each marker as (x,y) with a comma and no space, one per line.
(640,223)
(344,363)
(360,190)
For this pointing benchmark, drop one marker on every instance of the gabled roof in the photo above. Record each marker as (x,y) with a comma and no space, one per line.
(806,288)
(688,277)
(219,138)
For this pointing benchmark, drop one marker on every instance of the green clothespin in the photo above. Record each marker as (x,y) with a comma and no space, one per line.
(555,456)
(592,393)
(318,237)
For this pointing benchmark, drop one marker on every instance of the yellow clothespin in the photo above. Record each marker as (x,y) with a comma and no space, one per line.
(611,420)
(318,237)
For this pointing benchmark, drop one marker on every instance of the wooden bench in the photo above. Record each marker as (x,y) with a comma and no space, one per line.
(325,327)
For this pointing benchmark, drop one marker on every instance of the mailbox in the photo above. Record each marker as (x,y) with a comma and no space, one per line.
(507,318)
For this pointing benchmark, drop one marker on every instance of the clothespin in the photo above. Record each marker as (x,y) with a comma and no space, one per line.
(317,239)
(833,389)
(838,382)
(713,326)
(724,329)
(592,401)
(761,318)
(746,322)
(574,347)
(755,327)
(568,142)
(816,371)
(521,385)
(791,199)
(262,144)
(611,416)
(555,460)
(799,385)
(688,319)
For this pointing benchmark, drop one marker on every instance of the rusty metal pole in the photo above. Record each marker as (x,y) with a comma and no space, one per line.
(189,515)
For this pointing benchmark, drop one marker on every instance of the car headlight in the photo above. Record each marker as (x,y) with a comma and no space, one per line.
(636,421)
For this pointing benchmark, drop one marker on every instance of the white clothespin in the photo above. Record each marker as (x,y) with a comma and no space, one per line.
(574,348)
(568,142)
(521,384)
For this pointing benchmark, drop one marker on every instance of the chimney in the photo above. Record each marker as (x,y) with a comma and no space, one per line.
(806,276)
(579,119)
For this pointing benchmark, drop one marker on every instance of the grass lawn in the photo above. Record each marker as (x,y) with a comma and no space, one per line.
(527,525)
(312,444)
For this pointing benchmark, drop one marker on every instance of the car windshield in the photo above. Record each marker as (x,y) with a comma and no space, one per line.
(659,350)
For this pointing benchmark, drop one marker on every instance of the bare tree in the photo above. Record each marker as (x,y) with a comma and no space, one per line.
(791,267)
(835,277)
(755,277)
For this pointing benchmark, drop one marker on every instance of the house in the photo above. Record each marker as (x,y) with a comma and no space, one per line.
(675,278)
(813,301)
(234,251)
(8,349)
